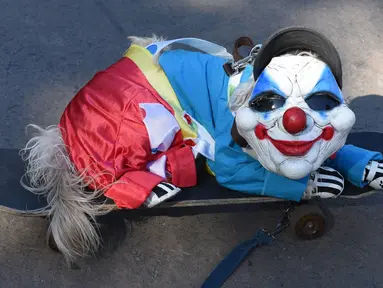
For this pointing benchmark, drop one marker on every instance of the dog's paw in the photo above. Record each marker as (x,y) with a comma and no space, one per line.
(374,174)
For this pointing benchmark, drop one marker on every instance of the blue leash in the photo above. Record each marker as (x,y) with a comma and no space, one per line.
(232,261)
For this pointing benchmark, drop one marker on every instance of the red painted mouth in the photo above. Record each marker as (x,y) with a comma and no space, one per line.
(293,148)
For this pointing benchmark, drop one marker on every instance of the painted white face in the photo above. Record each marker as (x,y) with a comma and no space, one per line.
(296,117)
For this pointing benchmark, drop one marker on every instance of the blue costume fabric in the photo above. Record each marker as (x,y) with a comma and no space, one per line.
(201,86)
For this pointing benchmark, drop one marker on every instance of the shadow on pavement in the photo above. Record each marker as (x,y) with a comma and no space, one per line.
(369,113)
(49,49)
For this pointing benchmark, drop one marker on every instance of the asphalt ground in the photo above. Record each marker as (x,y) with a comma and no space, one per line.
(49,49)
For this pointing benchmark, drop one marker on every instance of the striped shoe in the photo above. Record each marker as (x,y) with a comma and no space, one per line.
(162,192)
(324,183)
(373,174)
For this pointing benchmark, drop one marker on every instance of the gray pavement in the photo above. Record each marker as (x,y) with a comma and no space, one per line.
(49,49)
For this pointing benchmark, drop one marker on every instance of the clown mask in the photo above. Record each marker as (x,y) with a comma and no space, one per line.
(296,116)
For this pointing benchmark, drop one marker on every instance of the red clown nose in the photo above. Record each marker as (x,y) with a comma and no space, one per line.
(294,120)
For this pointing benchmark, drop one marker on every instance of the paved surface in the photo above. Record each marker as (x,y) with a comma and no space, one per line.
(49,49)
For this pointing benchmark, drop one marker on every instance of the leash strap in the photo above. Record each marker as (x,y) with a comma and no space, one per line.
(232,261)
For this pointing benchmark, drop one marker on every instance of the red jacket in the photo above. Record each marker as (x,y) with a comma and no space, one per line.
(107,139)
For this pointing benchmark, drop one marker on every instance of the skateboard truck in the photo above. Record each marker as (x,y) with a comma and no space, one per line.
(307,221)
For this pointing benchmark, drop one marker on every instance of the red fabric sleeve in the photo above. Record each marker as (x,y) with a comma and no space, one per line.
(181,166)
(107,139)
(132,188)
(132,154)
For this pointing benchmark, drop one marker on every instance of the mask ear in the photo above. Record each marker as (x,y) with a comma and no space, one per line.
(236,137)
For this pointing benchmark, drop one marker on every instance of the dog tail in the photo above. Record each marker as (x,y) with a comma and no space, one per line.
(71,209)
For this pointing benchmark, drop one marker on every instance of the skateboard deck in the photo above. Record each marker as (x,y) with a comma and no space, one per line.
(206,197)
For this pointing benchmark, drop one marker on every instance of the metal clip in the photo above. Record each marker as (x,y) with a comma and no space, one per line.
(283,221)
(235,67)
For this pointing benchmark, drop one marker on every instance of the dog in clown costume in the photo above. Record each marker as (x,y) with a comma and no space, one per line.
(275,127)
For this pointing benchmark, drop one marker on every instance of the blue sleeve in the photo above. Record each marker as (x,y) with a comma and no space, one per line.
(198,80)
(351,161)
(278,186)
(238,171)
(253,178)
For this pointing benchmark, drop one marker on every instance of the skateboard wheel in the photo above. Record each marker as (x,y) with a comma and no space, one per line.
(308,222)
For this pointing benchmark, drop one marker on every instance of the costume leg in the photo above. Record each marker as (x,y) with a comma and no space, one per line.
(359,166)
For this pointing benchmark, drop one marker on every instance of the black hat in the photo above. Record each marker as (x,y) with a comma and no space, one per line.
(299,38)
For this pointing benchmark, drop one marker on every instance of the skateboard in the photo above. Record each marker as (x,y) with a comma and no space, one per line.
(308,219)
